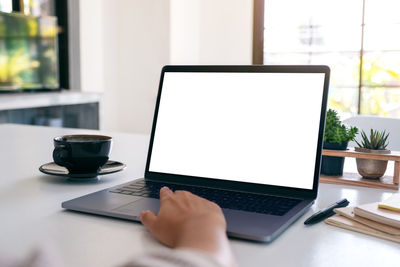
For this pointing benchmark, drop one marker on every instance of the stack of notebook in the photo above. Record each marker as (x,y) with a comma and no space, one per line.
(380,219)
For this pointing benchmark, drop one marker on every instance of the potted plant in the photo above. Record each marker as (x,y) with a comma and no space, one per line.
(336,137)
(375,144)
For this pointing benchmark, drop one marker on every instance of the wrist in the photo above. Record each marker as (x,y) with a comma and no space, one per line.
(207,238)
(198,235)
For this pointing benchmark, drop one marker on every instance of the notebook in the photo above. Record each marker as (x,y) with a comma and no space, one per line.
(372,212)
(349,224)
(231,134)
(348,212)
(392,203)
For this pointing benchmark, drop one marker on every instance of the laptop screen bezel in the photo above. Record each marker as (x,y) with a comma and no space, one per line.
(235,185)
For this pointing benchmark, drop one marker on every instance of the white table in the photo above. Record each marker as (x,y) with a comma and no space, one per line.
(30,213)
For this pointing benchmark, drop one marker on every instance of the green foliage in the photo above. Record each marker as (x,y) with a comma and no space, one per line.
(335,131)
(377,140)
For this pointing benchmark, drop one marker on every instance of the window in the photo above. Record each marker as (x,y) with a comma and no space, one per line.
(57,8)
(359,40)
(6,6)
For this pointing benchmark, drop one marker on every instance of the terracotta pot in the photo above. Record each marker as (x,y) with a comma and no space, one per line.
(371,168)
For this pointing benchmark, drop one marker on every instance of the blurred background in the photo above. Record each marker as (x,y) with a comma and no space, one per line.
(96,63)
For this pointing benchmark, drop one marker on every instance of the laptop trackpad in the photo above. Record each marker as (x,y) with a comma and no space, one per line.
(136,207)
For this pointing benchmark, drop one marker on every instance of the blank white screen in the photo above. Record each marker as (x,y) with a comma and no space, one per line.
(249,127)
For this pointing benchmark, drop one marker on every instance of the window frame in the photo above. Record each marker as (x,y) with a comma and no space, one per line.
(258,32)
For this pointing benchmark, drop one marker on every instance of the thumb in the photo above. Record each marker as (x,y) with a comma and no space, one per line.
(148,218)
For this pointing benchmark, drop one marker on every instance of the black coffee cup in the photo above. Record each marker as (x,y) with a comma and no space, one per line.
(82,153)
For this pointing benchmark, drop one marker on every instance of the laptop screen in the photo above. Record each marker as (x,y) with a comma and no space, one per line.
(253,127)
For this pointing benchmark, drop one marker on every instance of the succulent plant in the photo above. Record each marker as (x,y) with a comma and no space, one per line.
(335,131)
(377,140)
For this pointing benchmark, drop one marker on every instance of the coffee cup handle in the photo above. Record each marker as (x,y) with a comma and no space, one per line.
(60,154)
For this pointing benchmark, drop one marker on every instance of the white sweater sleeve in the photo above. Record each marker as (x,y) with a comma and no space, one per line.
(41,257)
(174,258)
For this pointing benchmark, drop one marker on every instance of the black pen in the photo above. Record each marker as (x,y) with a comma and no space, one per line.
(328,212)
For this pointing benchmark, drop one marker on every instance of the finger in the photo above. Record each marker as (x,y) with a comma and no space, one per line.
(188,194)
(165,192)
(185,194)
(148,218)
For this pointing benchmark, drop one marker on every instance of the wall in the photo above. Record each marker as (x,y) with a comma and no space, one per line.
(211,31)
(142,49)
(91,45)
(185,32)
(124,44)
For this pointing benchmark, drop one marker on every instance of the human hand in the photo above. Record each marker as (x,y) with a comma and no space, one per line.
(189,221)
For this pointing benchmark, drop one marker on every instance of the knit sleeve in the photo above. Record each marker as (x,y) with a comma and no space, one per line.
(173,258)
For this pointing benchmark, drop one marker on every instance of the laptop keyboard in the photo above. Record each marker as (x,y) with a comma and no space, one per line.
(225,199)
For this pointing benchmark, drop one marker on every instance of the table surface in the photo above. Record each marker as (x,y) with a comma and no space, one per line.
(31,213)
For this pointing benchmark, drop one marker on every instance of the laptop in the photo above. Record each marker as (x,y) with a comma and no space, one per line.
(246,137)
